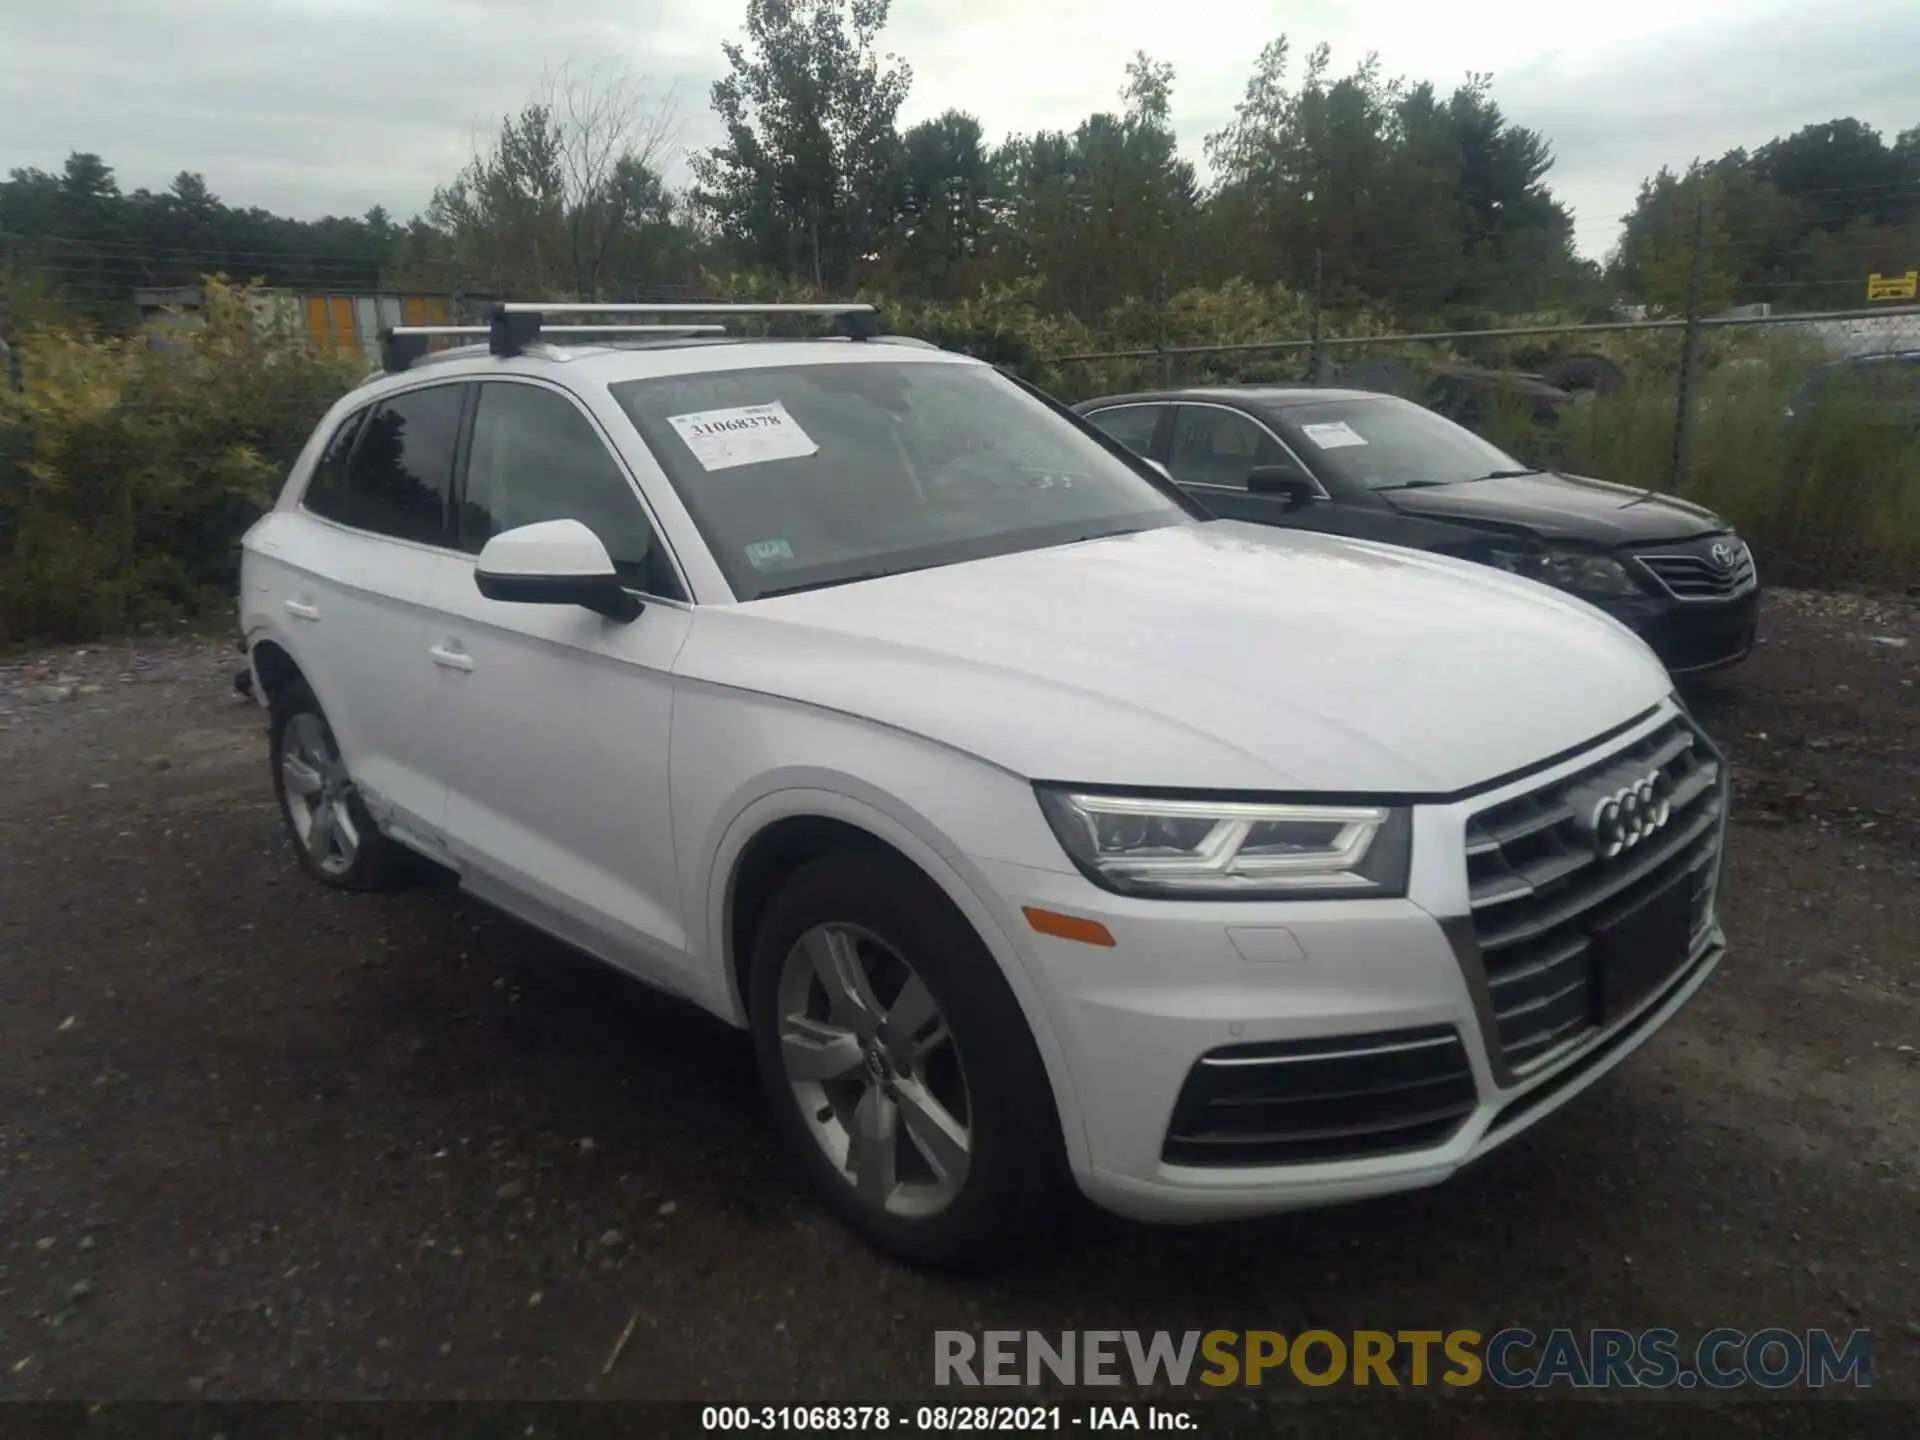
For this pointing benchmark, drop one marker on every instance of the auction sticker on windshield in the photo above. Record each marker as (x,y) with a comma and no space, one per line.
(1333,435)
(743,435)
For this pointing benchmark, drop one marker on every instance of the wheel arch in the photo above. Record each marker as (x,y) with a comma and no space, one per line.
(776,834)
(274,669)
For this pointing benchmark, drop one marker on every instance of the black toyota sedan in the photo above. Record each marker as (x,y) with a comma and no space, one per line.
(1356,463)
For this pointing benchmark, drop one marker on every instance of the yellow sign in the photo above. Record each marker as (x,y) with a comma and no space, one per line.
(1894,287)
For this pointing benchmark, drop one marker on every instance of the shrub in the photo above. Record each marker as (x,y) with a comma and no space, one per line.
(130,466)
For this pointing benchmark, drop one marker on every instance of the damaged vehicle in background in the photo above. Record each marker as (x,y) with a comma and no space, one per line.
(1376,467)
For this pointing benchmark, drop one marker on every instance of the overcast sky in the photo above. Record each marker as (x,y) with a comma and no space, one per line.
(315,106)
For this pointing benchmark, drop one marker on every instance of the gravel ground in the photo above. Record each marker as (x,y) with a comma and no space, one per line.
(262,1140)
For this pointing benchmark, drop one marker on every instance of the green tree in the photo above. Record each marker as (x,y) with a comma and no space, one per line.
(1391,192)
(88,245)
(1298,170)
(1107,212)
(807,180)
(946,208)
(1655,257)
(1800,222)
(1516,239)
(1843,174)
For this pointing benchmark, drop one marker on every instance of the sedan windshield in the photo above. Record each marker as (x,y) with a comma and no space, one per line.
(1387,444)
(810,475)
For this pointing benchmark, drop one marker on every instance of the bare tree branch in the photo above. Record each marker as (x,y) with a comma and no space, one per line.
(541,207)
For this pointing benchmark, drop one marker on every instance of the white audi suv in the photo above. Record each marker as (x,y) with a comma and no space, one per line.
(1042,832)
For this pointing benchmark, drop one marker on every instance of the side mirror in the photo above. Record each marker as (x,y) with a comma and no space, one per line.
(556,562)
(1287,481)
(1165,473)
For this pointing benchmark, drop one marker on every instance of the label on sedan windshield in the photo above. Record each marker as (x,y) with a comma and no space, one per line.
(1333,435)
(744,435)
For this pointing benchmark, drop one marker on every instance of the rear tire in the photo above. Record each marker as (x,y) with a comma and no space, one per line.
(899,1067)
(334,836)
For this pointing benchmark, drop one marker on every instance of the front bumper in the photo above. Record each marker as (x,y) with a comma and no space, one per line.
(1691,636)
(1194,1193)
(1191,980)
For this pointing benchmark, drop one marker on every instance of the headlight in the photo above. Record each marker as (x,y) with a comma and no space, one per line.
(1229,850)
(1578,571)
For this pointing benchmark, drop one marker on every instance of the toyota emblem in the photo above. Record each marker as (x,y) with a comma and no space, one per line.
(1724,554)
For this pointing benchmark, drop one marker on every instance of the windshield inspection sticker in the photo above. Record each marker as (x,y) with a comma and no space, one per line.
(744,435)
(1333,435)
(762,553)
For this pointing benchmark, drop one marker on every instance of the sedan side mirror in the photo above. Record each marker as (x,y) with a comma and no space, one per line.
(1287,481)
(1165,473)
(556,562)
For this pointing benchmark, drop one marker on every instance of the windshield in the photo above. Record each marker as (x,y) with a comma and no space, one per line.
(1386,443)
(809,475)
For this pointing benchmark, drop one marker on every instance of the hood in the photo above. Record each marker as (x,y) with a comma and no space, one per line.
(1560,507)
(1212,656)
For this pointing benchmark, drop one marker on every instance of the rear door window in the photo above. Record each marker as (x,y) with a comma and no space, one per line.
(400,473)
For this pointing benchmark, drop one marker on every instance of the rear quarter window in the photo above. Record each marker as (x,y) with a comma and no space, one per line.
(330,471)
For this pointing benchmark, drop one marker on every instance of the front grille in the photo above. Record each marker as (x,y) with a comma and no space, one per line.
(1295,1101)
(1696,575)
(1589,1060)
(1539,886)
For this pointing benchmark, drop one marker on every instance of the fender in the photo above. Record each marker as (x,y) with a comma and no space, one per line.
(935,856)
(257,619)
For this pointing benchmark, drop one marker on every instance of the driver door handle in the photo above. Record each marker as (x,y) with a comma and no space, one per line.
(300,611)
(450,659)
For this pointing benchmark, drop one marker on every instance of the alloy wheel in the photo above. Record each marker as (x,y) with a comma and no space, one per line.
(875,1070)
(319,793)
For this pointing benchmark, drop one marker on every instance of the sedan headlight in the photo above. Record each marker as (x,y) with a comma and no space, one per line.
(1232,850)
(1579,571)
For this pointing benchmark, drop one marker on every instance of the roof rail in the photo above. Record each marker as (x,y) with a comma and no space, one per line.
(402,345)
(682,307)
(515,325)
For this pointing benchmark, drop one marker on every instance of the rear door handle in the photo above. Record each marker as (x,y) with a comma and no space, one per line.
(300,611)
(450,659)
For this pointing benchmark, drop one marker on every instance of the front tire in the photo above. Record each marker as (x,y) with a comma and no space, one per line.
(334,836)
(899,1066)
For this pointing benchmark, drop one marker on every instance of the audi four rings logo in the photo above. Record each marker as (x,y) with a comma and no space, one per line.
(1630,814)
(1724,554)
